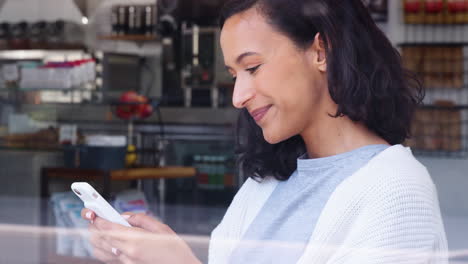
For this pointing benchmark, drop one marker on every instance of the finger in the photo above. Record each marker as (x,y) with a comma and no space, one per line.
(114,262)
(130,243)
(148,223)
(104,225)
(98,241)
(127,214)
(102,249)
(125,238)
(126,260)
(88,214)
(109,232)
(105,256)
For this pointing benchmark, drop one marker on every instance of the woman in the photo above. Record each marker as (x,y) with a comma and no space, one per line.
(325,106)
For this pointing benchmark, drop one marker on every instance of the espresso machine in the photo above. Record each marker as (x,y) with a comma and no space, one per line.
(200,53)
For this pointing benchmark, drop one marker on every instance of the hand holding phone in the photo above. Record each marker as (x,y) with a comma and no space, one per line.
(94,201)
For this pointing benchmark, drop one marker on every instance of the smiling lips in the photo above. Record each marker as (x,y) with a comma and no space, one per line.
(259,113)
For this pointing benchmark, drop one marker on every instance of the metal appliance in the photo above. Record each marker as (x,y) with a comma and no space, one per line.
(121,73)
(199,50)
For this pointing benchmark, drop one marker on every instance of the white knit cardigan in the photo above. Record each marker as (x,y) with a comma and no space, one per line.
(386,212)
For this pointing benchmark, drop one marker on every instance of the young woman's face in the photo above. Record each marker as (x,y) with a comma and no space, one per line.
(283,87)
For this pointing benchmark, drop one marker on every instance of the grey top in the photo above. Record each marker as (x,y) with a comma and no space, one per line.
(282,228)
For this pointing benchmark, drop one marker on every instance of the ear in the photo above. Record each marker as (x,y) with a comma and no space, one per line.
(318,52)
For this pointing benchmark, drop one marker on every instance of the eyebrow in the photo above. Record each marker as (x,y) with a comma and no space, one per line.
(242,56)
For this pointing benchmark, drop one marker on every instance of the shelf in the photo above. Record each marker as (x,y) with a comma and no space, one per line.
(56,90)
(440,107)
(435,34)
(97,113)
(130,38)
(431,44)
(30,149)
(42,89)
(37,54)
(440,131)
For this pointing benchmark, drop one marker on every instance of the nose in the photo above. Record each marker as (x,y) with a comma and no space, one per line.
(243,92)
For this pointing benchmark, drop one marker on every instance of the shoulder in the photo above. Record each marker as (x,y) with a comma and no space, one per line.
(395,167)
(393,182)
(397,186)
(398,160)
(391,201)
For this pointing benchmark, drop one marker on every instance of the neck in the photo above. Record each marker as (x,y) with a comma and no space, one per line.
(333,136)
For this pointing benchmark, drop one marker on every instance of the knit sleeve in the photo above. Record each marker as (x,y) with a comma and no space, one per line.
(401,223)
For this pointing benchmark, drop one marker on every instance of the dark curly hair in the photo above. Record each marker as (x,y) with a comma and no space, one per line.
(365,77)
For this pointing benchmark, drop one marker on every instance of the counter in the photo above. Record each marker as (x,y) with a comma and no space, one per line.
(23,240)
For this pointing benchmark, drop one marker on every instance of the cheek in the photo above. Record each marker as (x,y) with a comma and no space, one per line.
(282,82)
(297,96)
(281,126)
(290,115)
(294,94)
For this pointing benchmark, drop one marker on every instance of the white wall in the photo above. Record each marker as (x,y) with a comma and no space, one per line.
(91,5)
(451,179)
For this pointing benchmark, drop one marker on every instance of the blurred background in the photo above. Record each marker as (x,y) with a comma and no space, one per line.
(133,97)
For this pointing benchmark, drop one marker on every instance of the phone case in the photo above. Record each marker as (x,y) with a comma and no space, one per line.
(94,201)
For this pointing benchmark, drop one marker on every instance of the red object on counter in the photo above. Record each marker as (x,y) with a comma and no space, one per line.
(137,107)
(458,6)
(434,6)
(145,110)
(127,111)
(205,76)
(413,6)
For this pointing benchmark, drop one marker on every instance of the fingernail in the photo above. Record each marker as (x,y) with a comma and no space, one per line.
(126,216)
(88,215)
(115,251)
(92,221)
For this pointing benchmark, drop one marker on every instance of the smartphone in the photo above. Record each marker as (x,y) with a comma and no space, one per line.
(94,201)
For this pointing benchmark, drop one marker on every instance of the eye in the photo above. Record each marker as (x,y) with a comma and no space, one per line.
(234,77)
(254,69)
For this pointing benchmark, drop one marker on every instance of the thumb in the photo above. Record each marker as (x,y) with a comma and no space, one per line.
(148,223)
(127,215)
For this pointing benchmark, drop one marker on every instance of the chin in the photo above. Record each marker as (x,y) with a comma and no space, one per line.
(277,134)
(272,138)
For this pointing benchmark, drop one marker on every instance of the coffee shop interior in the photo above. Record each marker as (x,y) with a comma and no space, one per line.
(132,96)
